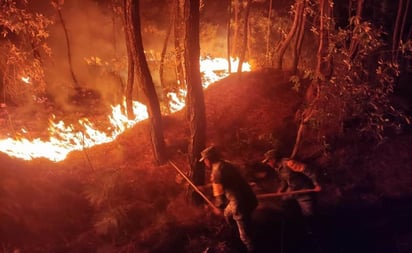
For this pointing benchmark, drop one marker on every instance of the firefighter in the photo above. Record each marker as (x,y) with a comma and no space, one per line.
(294,176)
(233,195)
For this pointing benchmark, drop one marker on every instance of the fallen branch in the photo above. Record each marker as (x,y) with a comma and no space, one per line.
(280,194)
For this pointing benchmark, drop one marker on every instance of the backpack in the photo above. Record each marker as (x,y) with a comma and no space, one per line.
(294,165)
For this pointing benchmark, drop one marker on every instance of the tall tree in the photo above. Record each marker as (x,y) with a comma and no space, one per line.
(398,30)
(269,24)
(245,36)
(228,41)
(355,20)
(165,44)
(178,36)
(144,78)
(195,97)
(322,67)
(58,7)
(130,74)
(299,39)
(236,8)
(286,42)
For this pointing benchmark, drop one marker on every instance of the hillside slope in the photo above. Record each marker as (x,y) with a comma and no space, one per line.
(112,198)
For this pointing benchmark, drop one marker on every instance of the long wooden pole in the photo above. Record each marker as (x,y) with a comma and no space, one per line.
(280,194)
(193,185)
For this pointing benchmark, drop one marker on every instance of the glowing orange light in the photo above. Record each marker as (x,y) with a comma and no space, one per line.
(26,79)
(212,70)
(65,138)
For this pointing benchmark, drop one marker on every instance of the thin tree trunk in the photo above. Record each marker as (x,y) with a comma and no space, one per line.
(354,44)
(145,79)
(178,35)
(405,15)
(229,14)
(130,74)
(284,45)
(325,14)
(164,50)
(268,56)
(395,36)
(236,8)
(195,97)
(321,64)
(245,36)
(299,38)
(69,54)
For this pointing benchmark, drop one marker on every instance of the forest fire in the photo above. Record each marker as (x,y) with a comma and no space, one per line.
(212,70)
(65,138)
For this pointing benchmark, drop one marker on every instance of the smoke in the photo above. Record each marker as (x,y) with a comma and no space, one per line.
(96,48)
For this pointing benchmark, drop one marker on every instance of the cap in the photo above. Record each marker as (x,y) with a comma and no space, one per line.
(210,152)
(270,154)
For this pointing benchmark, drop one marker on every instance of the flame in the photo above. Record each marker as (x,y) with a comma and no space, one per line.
(64,139)
(212,70)
(26,79)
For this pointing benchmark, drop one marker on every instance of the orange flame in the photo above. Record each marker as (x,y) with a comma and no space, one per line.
(26,79)
(212,70)
(65,138)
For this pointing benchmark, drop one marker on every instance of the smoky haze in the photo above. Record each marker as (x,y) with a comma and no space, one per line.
(96,47)
(98,52)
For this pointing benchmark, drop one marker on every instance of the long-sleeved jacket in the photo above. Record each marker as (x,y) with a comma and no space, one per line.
(227,180)
(295,176)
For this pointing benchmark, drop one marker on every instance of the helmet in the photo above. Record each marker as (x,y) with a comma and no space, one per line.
(210,153)
(270,154)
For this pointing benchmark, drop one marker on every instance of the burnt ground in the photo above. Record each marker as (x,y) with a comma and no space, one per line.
(112,198)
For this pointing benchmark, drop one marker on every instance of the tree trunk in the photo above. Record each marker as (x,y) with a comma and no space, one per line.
(245,36)
(195,99)
(354,43)
(405,15)
(69,54)
(399,28)
(145,79)
(229,14)
(268,33)
(130,74)
(236,8)
(325,15)
(284,45)
(322,65)
(298,41)
(164,50)
(178,35)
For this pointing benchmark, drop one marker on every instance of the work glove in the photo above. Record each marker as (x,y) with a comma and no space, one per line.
(317,188)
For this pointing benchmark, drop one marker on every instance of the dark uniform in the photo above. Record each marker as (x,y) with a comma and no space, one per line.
(233,194)
(296,176)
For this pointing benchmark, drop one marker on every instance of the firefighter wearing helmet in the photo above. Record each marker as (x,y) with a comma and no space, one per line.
(233,195)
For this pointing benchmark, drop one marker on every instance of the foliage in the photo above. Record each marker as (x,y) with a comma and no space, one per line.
(23,43)
(357,94)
